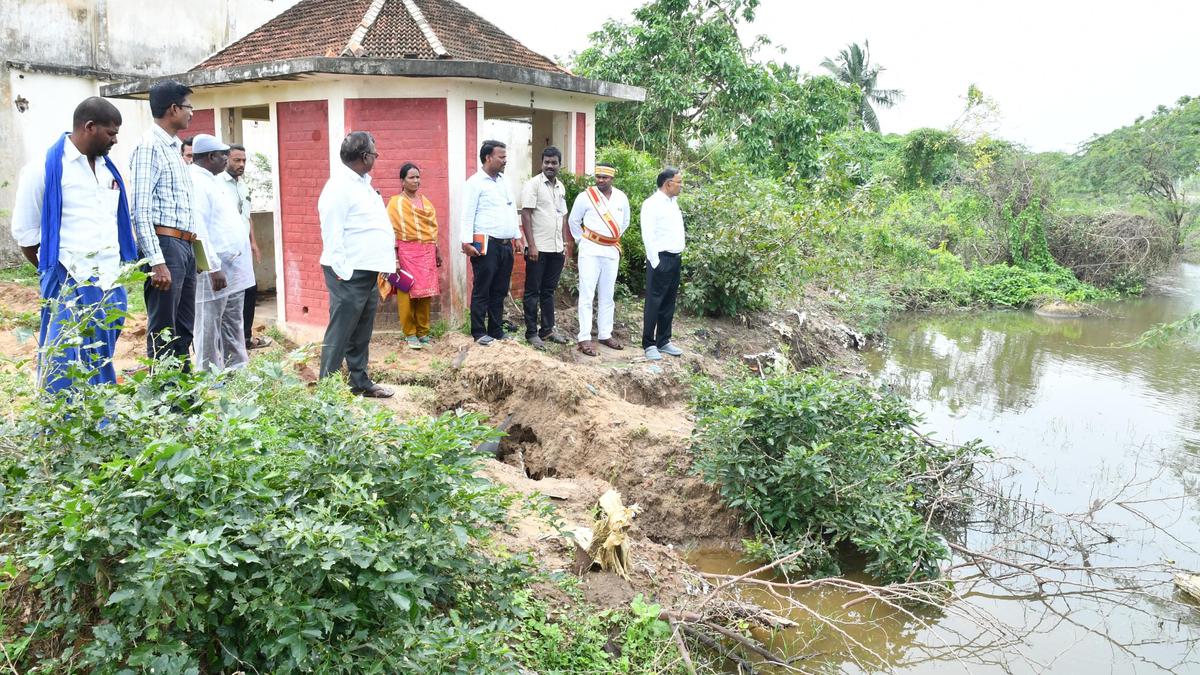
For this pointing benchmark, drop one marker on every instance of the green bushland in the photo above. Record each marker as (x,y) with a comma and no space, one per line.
(817,463)
(189,523)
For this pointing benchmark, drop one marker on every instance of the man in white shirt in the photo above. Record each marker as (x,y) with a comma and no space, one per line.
(489,231)
(598,218)
(663,237)
(358,246)
(71,220)
(219,341)
(547,247)
(231,179)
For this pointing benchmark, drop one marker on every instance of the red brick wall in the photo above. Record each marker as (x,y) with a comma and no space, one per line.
(409,130)
(203,122)
(580,143)
(303,128)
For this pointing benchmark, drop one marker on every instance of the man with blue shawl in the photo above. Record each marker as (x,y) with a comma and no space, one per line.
(71,220)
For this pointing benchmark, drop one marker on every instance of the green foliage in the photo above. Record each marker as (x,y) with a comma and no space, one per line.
(1153,158)
(24,274)
(853,66)
(573,639)
(816,462)
(1027,245)
(701,82)
(929,157)
(745,246)
(261,525)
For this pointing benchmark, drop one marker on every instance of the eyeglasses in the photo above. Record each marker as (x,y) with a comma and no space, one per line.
(373,154)
(184,105)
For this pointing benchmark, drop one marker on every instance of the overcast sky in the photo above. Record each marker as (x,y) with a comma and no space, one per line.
(1059,70)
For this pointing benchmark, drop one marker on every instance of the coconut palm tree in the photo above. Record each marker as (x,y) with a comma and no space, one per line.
(853,66)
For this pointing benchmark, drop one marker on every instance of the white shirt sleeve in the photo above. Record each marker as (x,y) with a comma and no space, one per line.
(202,212)
(27,209)
(470,208)
(332,207)
(575,221)
(627,213)
(650,230)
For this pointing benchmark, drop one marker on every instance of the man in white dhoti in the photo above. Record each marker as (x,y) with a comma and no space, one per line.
(220,341)
(598,218)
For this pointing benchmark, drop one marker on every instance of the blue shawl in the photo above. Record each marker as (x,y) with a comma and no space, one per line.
(52,220)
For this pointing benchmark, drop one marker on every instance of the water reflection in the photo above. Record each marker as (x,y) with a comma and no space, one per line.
(1082,417)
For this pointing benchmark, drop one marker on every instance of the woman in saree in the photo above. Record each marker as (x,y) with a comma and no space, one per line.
(418,259)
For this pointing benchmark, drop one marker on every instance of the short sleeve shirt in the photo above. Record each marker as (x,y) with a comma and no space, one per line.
(549,203)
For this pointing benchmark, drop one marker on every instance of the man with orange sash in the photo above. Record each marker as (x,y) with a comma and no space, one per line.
(598,218)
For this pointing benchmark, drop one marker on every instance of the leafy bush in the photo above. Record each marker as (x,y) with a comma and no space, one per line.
(746,243)
(816,462)
(260,526)
(576,638)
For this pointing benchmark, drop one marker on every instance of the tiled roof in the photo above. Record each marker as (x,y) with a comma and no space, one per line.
(383,29)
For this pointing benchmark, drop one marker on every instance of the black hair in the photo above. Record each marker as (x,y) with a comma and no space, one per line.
(666,175)
(552,151)
(187,142)
(486,149)
(356,145)
(236,146)
(408,166)
(166,94)
(98,110)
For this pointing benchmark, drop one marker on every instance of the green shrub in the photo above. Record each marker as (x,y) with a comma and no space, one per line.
(574,638)
(261,526)
(746,244)
(816,462)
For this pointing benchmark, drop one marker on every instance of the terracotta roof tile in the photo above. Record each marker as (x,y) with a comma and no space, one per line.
(315,28)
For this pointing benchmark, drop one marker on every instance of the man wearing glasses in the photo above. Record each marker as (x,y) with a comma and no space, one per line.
(163,223)
(358,244)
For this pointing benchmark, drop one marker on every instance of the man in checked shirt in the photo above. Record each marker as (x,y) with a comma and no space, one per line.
(163,223)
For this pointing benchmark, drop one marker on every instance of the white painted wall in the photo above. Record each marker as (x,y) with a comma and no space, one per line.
(128,37)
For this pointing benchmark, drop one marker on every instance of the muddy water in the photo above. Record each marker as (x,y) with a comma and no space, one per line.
(1081,417)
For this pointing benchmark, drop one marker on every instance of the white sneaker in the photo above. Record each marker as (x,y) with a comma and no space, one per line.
(671,350)
(652,354)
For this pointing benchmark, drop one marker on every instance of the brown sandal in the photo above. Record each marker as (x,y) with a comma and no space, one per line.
(587,348)
(612,343)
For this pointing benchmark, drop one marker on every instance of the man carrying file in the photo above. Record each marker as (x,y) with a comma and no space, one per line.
(490,229)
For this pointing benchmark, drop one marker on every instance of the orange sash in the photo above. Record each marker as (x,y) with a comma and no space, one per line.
(601,205)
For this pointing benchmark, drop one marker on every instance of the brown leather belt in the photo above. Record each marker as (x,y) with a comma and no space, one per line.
(172,232)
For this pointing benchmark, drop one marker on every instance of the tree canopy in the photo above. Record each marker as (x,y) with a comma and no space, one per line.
(702,82)
(853,67)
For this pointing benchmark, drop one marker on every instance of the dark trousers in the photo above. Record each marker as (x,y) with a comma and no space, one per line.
(248,311)
(662,285)
(541,280)
(175,308)
(352,306)
(491,274)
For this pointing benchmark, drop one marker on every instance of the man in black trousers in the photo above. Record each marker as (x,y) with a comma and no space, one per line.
(490,229)
(357,246)
(663,236)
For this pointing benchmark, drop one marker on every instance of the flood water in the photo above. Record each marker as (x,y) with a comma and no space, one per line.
(1080,419)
